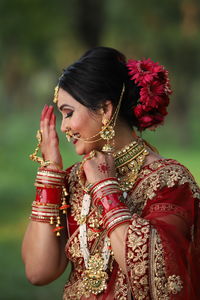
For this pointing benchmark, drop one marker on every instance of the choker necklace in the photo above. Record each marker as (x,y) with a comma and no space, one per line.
(128,162)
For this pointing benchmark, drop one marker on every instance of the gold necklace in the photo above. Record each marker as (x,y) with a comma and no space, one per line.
(94,275)
(128,162)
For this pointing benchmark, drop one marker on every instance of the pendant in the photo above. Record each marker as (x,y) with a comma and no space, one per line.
(94,277)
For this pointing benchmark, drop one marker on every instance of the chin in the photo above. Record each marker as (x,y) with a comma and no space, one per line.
(84,150)
(81,150)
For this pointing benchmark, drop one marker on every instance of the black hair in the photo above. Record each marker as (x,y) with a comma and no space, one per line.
(98,76)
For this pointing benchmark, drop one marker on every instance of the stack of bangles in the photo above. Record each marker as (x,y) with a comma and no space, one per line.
(50,198)
(106,194)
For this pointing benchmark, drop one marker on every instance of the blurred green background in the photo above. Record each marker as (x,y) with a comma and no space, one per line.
(37,40)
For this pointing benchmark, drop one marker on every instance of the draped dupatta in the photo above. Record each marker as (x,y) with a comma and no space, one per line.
(162,243)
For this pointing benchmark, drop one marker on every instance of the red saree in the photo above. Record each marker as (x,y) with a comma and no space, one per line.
(162,242)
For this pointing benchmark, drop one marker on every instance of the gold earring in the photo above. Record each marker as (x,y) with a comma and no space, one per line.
(107,133)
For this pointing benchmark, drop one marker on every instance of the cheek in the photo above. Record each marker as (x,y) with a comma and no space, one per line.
(81,123)
(76,124)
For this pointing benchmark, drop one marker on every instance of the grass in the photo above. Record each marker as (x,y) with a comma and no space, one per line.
(17,193)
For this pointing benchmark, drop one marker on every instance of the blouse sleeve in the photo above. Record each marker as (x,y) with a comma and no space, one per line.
(162,243)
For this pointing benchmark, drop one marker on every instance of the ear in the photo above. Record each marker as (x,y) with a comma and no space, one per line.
(107,109)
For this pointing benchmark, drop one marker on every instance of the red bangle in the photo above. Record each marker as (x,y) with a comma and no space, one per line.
(115,213)
(48,195)
(101,181)
(111,201)
(97,196)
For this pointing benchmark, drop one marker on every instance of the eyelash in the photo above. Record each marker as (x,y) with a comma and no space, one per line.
(69,114)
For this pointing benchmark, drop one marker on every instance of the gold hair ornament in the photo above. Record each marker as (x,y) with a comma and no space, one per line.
(55,98)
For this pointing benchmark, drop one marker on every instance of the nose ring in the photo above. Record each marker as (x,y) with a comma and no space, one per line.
(68,134)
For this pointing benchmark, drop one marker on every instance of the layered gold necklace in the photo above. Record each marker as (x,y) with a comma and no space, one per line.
(128,162)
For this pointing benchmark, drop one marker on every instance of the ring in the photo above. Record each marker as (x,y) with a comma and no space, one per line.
(39,136)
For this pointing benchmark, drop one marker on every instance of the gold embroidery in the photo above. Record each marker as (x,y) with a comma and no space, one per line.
(174,284)
(157,268)
(72,291)
(74,248)
(159,174)
(76,193)
(137,257)
(121,287)
(170,207)
(161,285)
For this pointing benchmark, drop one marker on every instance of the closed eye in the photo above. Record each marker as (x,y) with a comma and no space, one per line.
(69,114)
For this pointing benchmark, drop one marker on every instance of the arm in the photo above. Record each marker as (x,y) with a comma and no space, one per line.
(43,252)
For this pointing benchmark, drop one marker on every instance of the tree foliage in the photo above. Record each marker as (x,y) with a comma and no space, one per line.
(39,38)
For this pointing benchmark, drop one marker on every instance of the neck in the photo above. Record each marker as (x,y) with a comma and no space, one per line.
(124,135)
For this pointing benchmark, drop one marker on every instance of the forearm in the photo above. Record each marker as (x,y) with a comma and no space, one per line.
(43,253)
(117,239)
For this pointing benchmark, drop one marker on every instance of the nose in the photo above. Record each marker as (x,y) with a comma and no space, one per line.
(63,125)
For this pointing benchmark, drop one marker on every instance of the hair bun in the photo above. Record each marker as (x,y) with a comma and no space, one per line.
(153,81)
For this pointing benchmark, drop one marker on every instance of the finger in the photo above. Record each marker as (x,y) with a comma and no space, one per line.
(43,112)
(52,127)
(47,118)
(42,117)
(53,120)
(110,158)
(48,113)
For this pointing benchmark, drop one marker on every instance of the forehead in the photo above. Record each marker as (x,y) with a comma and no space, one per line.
(65,98)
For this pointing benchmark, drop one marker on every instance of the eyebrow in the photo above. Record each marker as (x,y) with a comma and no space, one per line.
(65,106)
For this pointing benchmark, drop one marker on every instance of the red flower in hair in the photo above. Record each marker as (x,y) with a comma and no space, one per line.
(151,94)
(143,71)
(155,89)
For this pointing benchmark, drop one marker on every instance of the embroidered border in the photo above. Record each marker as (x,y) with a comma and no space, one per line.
(169,207)
(159,174)
(121,287)
(137,257)
(161,286)
(157,272)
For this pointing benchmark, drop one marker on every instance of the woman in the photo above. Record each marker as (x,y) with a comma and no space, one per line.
(132,225)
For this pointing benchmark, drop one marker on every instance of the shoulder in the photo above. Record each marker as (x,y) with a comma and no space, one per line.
(166,173)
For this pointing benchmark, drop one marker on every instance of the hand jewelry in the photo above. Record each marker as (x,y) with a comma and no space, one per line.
(40,160)
(80,170)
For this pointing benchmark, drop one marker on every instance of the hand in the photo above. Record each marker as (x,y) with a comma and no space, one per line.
(100,167)
(50,142)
